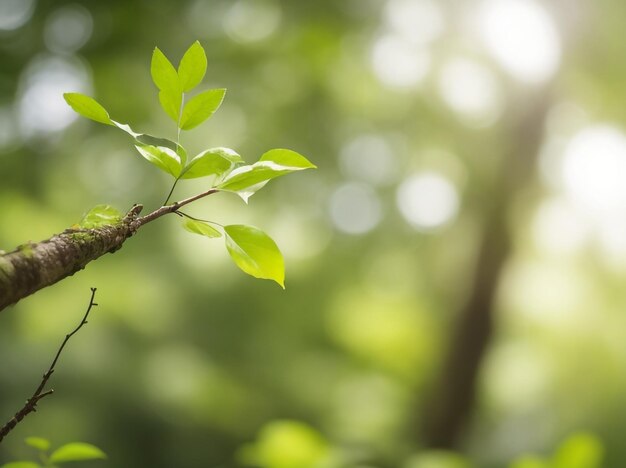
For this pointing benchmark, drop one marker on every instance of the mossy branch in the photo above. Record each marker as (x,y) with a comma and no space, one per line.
(34,266)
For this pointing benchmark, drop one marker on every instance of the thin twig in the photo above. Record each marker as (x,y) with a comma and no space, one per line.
(171,208)
(31,404)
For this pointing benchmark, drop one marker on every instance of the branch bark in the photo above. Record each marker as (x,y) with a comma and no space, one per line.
(34,266)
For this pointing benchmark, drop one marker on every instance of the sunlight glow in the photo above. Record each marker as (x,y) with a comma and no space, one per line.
(517,376)
(399,64)
(355,208)
(559,228)
(522,37)
(252,21)
(471,90)
(551,295)
(418,21)
(41,105)
(68,29)
(369,158)
(594,170)
(15,13)
(427,200)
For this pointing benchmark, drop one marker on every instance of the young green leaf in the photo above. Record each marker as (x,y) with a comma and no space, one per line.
(170,102)
(21,464)
(163,72)
(246,180)
(98,216)
(214,161)
(164,158)
(201,107)
(255,253)
(202,228)
(39,442)
(76,451)
(288,159)
(192,67)
(88,107)
(146,139)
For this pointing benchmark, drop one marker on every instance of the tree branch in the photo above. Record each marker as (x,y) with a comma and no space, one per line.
(34,266)
(31,404)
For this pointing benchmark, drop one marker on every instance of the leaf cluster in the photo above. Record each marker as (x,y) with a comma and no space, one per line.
(226,171)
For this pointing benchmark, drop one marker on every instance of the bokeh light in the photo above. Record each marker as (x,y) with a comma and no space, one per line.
(522,36)
(427,200)
(369,158)
(399,64)
(42,109)
(355,208)
(68,29)
(471,90)
(593,169)
(15,13)
(252,21)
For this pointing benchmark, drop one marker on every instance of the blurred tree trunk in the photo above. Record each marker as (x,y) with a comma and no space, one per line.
(449,408)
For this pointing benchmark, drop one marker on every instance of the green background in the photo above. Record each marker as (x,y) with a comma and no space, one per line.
(188,362)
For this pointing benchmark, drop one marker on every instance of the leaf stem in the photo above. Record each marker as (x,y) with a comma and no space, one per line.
(171,190)
(180,213)
(166,209)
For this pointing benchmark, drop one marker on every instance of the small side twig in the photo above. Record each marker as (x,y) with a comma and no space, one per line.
(31,404)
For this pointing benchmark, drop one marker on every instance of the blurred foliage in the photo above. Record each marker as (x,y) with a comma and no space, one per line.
(71,452)
(408,108)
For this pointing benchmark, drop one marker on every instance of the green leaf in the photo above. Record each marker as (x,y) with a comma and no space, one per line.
(192,67)
(144,139)
(39,442)
(164,158)
(163,72)
(21,464)
(76,451)
(255,253)
(98,216)
(87,107)
(246,180)
(201,107)
(202,228)
(170,102)
(288,159)
(214,161)
(126,128)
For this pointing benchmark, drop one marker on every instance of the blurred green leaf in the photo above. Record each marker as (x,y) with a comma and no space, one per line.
(39,442)
(164,158)
(98,216)
(255,253)
(88,107)
(21,464)
(246,180)
(287,444)
(76,451)
(214,161)
(201,107)
(163,72)
(192,67)
(581,450)
(202,228)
